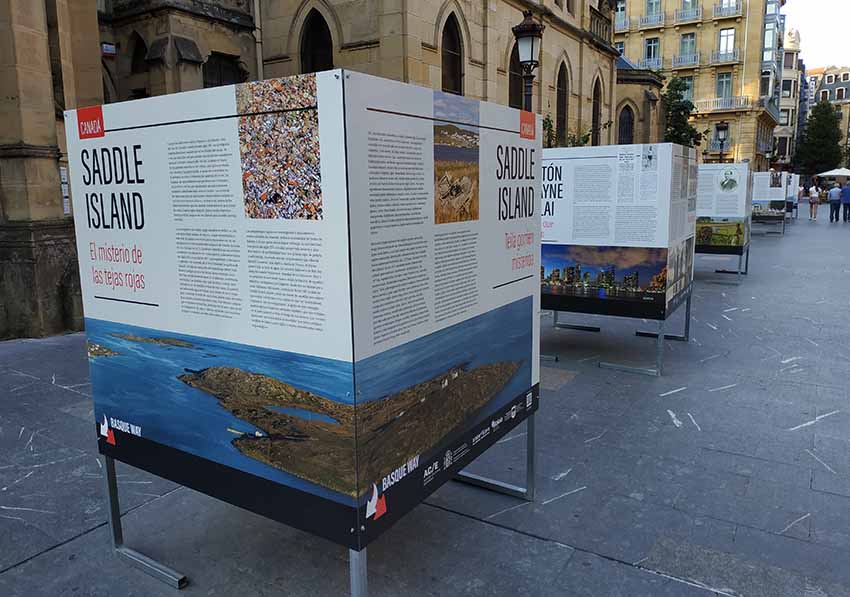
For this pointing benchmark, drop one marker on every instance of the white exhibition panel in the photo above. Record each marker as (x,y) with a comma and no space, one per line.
(724,191)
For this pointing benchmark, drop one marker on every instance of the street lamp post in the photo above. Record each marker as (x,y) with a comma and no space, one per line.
(528,36)
(722,129)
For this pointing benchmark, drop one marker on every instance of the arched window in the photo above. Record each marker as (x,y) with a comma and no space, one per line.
(515,93)
(317,47)
(452,52)
(561,105)
(138,64)
(626,127)
(222,69)
(597,114)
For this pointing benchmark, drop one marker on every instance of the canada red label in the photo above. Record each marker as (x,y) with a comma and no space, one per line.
(527,125)
(90,122)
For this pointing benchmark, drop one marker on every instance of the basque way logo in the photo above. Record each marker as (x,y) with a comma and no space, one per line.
(376,506)
(106,432)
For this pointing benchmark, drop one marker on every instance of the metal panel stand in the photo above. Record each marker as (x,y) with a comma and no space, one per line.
(524,493)
(569,326)
(739,272)
(358,573)
(659,356)
(659,336)
(139,560)
(679,338)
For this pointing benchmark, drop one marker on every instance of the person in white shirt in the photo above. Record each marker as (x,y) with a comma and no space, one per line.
(814,199)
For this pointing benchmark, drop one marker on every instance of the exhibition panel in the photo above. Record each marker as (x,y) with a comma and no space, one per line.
(618,232)
(769,198)
(724,207)
(618,229)
(315,297)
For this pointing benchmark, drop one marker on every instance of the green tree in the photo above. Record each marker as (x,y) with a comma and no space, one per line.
(678,110)
(573,139)
(820,150)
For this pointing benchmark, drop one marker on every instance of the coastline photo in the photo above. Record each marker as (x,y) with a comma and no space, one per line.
(608,273)
(456,161)
(291,417)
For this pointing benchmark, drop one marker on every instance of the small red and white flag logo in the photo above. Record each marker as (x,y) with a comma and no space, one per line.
(90,122)
(527,125)
(106,432)
(376,506)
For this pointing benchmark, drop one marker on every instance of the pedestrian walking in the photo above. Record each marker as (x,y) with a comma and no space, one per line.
(814,199)
(845,201)
(834,198)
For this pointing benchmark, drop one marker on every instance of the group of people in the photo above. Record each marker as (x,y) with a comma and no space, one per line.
(837,197)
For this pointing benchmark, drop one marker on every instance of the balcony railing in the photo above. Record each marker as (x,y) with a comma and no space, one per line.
(715,145)
(686,15)
(686,60)
(726,10)
(769,105)
(651,63)
(724,104)
(727,56)
(621,23)
(764,146)
(600,26)
(652,20)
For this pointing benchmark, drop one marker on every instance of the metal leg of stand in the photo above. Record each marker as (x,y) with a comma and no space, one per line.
(679,338)
(659,354)
(740,271)
(139,560)
(358,571)
(524,493)
(570,326)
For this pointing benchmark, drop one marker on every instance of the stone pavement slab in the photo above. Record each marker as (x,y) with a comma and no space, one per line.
(728,476)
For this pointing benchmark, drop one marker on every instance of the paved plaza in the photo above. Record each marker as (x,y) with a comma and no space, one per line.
(729,475)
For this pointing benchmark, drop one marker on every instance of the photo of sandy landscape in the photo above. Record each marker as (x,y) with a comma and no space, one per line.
(455,158)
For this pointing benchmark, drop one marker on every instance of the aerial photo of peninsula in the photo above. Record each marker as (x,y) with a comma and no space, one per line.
(290,417)
(621,273)
(456,159)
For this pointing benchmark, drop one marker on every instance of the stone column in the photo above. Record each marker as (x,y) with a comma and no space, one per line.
(39,284)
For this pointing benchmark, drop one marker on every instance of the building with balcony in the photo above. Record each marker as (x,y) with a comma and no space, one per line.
(729,52)
(832,84)
(792,95)
(65,54)
(460,48)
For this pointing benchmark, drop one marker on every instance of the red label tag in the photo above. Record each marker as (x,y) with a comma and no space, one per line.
(90,122)
(527,125)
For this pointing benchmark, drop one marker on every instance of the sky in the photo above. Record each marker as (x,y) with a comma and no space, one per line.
(823,27)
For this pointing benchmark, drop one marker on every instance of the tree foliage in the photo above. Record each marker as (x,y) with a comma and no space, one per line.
(820,150)
(678,110)
(573,139)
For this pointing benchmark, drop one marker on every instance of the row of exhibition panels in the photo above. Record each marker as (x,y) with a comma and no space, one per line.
(349,215)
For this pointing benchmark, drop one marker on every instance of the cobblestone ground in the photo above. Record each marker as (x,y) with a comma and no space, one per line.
(730,475)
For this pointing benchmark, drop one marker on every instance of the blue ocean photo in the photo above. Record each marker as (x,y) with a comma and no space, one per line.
(140,384)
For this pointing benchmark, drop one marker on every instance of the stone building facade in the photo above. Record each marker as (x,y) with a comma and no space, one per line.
(640,113)
(48,62)
(459,46)
(72,53)
(729,51)
(153,47)
(793,72)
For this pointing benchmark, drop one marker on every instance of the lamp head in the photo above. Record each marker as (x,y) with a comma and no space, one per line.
(528,36)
